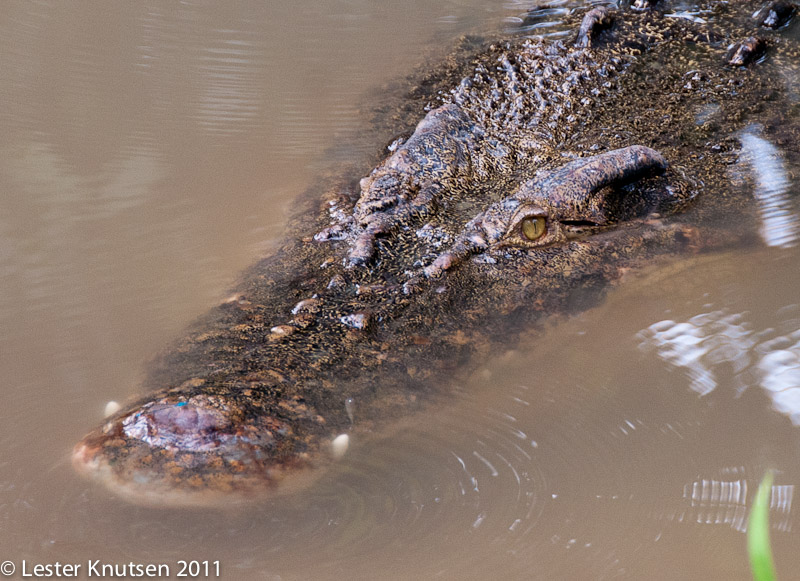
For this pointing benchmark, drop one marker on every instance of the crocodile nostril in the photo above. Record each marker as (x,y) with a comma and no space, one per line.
(182,418)
(183,425)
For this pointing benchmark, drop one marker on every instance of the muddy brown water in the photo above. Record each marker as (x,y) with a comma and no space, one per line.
(152,150)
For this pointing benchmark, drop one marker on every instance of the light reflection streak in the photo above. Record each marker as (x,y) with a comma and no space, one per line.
(779,225)
(488,464)
(718,501)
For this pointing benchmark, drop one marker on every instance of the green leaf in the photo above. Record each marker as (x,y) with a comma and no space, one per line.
(758,547)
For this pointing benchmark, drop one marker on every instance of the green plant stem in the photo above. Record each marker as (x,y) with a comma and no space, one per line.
(758,545)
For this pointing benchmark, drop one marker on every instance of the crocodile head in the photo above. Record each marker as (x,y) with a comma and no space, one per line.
(200,443)
(476,216)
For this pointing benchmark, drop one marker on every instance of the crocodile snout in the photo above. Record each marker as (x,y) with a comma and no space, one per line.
(198,451)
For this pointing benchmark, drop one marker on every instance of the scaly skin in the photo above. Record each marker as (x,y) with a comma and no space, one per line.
(494,213)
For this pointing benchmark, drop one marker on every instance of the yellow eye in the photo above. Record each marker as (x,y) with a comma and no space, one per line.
(533,227)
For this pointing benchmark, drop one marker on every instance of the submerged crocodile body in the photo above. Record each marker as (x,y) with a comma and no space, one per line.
(545,174)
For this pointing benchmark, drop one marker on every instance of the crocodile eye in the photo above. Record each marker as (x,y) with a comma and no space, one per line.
(533,227)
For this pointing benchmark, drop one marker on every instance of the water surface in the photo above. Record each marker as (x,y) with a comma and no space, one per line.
(152,151)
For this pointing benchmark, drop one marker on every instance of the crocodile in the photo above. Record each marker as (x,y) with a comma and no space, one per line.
(540,174)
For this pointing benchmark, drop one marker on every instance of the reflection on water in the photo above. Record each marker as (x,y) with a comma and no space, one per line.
(725,502)
(719,502)
(149,153)
(537,19)
(714,336)
(778,220)
(707,342)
